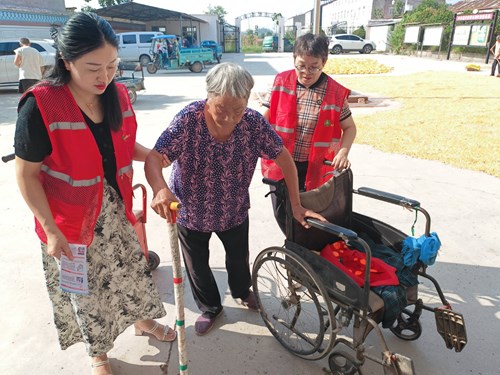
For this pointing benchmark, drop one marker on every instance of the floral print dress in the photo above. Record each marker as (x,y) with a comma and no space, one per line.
(121,289)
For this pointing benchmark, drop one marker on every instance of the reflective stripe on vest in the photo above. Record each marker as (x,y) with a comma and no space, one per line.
(283,89)
(67,126)
(66,178)
(124,170)
(283,129)
(126,114)
(330,107)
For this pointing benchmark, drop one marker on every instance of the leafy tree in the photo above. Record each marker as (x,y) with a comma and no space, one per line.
(428,12)
(360,31)
(102,4)
(218,11)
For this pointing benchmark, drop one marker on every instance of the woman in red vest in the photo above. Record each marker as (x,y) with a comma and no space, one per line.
(75,144)
(310,111)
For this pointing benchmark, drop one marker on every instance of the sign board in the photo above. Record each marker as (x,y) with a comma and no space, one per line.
(475,17)
(432,36)
(411,34)
(479,35)
(461,36)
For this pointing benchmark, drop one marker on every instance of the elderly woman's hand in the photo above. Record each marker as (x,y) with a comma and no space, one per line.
(161,203)
(300,213)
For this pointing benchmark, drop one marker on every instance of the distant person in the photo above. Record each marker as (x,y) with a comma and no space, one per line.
(310,112)
(30,63)
(495,50)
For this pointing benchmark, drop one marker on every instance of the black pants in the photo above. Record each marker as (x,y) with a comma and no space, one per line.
(196,255)
(495,65)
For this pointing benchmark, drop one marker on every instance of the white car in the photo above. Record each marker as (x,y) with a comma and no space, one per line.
(9,73)
(349,42)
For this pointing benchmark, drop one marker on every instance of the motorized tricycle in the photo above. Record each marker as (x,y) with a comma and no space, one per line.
(169,54)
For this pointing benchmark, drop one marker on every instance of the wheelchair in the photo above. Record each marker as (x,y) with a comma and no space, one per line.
(308,304)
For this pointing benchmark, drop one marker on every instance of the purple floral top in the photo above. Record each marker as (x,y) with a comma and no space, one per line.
(210,178)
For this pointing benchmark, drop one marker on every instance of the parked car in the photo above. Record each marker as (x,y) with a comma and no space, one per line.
(349,42)
(9,73)
(270,44)
(216,47)
(135,46)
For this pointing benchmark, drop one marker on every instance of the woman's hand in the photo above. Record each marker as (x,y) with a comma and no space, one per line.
(340,161)
(300,213)
(161,203)
(58,245)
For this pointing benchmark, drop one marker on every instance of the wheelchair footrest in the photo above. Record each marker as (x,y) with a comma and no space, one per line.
(451,326)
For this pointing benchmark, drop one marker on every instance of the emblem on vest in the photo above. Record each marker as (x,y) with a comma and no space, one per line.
(327,123)
(125,136)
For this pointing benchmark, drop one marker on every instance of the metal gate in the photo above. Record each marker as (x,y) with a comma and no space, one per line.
(230,38)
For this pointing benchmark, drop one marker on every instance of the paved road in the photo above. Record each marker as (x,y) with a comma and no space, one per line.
(464,206)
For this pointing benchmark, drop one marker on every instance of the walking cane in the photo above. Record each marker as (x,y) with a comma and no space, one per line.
(178,288)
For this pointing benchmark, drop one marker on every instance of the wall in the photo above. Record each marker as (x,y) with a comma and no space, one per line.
(379,35)
(52,6)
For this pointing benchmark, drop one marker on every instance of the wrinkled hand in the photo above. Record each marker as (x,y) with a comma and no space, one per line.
(57,245)
(340,161)
(161,203)
(300,213)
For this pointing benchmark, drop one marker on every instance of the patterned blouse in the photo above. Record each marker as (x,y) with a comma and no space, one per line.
(211,178)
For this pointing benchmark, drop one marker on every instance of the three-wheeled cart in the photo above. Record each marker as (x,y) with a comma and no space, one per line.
(131,75)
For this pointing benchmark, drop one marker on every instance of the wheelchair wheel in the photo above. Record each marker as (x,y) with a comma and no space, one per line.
(154,260)
(294,303)
(342,363)
(407,327)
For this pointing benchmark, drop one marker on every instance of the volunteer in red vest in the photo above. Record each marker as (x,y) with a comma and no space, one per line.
(75,143)
(310,111)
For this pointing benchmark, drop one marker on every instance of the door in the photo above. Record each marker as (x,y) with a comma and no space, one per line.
(9,73)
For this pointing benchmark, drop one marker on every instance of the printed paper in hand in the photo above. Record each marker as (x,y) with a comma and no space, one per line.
(73,275)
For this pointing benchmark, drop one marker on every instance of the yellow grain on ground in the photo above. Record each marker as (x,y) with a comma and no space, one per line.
(451,117)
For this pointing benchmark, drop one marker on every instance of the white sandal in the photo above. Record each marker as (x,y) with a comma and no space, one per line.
(166,329)
(101,363)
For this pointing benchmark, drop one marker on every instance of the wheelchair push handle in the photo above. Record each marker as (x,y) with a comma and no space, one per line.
(8,158)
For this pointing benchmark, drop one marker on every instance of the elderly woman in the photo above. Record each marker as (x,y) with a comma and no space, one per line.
(214,145)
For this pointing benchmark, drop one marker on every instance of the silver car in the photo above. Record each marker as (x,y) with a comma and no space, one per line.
(9,73)
(349,42)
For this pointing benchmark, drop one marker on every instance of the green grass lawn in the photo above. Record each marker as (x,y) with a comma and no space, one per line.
(451,117)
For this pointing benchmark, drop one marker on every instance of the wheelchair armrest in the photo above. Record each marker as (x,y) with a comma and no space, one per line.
(387,197)
(337,230)
(269,181)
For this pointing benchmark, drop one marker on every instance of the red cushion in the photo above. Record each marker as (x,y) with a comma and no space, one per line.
(352,263)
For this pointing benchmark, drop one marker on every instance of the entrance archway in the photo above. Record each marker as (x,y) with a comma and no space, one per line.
(281,25)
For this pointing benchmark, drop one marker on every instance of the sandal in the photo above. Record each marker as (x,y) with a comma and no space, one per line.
(100,364)
(164,335)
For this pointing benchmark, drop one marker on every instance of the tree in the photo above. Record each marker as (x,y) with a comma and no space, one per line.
(218,11)
(276,18)
(103,4)
(428,12)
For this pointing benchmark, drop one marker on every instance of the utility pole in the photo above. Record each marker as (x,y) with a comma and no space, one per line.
(317,13)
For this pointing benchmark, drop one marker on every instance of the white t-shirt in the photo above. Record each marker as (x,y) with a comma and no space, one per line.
(31,63)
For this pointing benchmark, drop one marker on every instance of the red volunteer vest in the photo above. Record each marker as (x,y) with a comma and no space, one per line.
(72,175)
(327,134)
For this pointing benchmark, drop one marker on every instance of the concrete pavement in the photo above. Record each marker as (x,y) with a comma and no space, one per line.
(464,205)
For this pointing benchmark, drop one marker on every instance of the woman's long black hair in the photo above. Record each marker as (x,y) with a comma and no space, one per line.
(83,33)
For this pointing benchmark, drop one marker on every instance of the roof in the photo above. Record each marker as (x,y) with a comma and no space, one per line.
(143,13)
(464,5)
